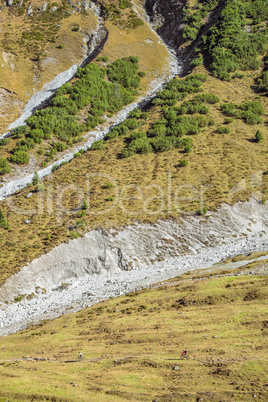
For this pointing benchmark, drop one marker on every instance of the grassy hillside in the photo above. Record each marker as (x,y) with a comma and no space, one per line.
(144,187)
(35,48)
(132,345)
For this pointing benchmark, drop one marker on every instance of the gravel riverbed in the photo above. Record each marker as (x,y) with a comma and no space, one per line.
(226,229)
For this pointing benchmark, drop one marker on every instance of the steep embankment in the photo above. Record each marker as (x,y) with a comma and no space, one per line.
(154,58)
(101,264)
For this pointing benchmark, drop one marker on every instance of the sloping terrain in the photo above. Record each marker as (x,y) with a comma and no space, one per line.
(183,175)
(132,345)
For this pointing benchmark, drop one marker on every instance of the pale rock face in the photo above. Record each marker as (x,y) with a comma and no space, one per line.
(30,11)
(9,60)
(86,5)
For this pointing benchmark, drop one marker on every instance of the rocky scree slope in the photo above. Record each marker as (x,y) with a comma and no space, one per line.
(103,264)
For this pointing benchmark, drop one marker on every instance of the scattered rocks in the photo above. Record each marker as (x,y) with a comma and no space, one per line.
(30,11)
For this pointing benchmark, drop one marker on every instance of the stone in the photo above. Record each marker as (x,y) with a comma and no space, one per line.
(176,368)
(53,9)
(30,11)
(44,8)
(27,221)
(10,2)
(86,5)
(29,195)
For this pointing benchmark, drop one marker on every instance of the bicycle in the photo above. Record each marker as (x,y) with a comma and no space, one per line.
(79,357)
(184,355)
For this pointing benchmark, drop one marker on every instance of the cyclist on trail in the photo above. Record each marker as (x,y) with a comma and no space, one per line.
(184,353)
(80,356)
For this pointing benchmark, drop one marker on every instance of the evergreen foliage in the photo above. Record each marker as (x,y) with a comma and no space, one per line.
(230,44)
(3,221)
(4,166)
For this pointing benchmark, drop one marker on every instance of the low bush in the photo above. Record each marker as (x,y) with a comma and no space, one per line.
(207,97)
(36,179)
(20,157)
(161,144)
(4,166)
(3,221)
(228,120)
(140,146)
(183,163)
(223,130)
(98,145)
(263,81)
(5,141)
(258,136)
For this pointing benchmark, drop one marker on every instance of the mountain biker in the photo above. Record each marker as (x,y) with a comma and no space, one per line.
(184,353)
(80,356)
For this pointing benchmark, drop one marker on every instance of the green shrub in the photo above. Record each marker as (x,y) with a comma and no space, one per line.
(263,82)
(251,118)
(108,185)
(208,98)
(20,157)
(230,45)
(3,221)
(84,205)
(36,178)
(4,166)
(136,113)
(183,163)
(123,4)
(5,141)
(238,75)
(229,109)
(258,136)
(161,144)
(141,74)
(54,168)
(253,106)
(189,33)
(228,120)
(223,130)
(197,61)
(98,145)
(19,132)
(103,58)
(202,211)
(59,146)
(141,146)
(138,134)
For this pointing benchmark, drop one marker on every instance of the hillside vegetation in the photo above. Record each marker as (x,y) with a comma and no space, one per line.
(221,166)
(132,345)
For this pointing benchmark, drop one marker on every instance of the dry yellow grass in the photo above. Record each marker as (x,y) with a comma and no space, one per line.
(222,168)
(20,73)
(132,346)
